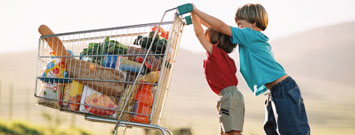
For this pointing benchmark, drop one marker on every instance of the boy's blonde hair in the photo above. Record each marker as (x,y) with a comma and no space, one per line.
(253,13)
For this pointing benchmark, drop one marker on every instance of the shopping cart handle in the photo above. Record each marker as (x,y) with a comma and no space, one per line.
(188,20)
(185,8)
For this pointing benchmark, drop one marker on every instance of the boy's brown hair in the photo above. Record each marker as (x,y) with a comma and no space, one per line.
(253,13)
(221,40)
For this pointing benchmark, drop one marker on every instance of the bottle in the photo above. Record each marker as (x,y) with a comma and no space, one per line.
(143,104)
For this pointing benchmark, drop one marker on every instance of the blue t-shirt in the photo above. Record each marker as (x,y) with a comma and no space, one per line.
(257,63)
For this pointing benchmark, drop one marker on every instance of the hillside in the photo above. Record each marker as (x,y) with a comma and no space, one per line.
(19,69)
(325,53)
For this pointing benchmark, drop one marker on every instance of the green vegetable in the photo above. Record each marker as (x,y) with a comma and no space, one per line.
(138,40)
(85,51)
(151,35)
(160,46)
(145,42)
(106,47)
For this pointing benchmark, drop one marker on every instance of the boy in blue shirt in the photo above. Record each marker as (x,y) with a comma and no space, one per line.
(285,111)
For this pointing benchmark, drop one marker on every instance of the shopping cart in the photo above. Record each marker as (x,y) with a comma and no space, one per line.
(116,75)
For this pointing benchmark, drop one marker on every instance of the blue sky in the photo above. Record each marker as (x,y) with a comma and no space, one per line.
(21,18)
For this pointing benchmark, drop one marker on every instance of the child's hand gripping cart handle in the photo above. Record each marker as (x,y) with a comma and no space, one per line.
(183,9)
(186,8)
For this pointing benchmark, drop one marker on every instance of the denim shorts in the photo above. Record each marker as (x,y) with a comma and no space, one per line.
(285,111)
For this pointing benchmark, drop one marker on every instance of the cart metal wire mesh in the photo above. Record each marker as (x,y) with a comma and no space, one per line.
(133,67)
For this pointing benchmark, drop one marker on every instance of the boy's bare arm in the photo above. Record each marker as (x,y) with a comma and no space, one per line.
(213,22)
(200,33)
(205,24)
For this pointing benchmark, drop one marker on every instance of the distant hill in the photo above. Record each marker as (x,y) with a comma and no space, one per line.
(19,69)
(323,53)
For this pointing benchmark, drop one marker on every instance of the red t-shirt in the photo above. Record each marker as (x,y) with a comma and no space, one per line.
(220,70)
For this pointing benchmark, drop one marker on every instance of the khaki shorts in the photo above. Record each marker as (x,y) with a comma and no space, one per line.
(231,109)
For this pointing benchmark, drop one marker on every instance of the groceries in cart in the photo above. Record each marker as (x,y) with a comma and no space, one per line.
(55,70)
(96,79)
(107,47)
(79,69)
(143,100)
(159,41)
(140,102)
(72,94)
(152,62)
(54,76)
(116,75)
(96,103)
(50,94)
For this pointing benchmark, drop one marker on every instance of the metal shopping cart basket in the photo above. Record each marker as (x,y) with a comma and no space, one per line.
(116,75)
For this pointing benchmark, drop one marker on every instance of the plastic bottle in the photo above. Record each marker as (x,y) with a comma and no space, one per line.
(143,104)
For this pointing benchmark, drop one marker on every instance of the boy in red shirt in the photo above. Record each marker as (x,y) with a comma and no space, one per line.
(220,73)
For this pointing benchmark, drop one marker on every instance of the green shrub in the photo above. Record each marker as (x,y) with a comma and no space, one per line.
(4,130)
(24,129)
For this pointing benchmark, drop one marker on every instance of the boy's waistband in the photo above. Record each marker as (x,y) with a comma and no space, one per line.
(283,82)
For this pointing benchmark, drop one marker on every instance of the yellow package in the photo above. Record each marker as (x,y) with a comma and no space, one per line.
(72,95)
